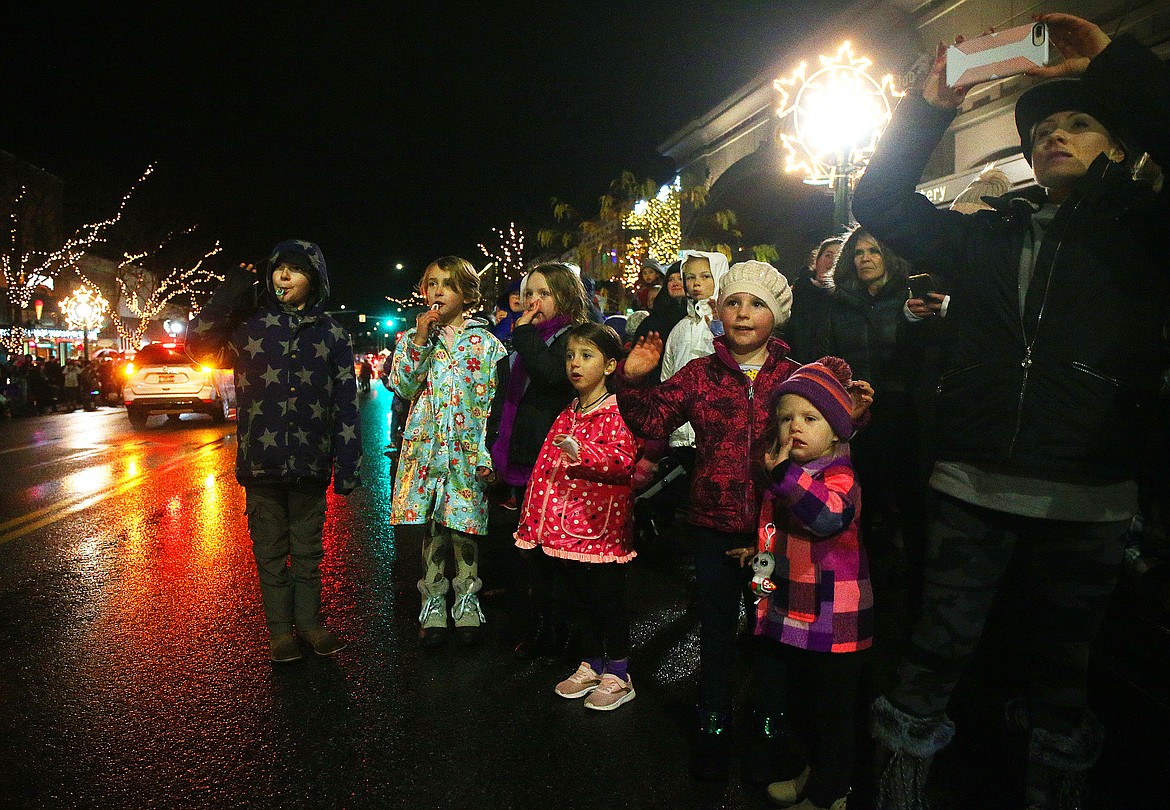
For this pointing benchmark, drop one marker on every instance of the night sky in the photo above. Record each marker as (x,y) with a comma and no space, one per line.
(397,132)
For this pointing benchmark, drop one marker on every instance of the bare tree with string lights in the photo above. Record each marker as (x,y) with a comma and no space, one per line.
(27,269)
(507,261)
(145,294)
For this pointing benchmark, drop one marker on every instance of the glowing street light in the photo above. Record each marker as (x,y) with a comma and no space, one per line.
(838,113)
(85,310)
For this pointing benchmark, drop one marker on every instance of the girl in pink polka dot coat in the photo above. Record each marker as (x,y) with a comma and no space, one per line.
(579,508)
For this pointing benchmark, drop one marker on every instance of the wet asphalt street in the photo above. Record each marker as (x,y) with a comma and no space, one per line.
(134,670)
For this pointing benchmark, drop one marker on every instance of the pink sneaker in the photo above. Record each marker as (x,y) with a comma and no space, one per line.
(580,683)
(611,693)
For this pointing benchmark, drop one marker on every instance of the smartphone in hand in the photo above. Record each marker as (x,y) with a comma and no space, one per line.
(996,55)
(920,285)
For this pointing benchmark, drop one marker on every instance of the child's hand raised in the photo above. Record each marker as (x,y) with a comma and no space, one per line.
(862,395)
(644,356)
(423,325)
(530,312)
(777,454)
(485,474)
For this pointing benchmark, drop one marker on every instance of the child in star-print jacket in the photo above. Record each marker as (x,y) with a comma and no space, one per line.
(297,426)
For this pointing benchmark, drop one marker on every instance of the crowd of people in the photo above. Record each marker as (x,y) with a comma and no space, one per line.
(943,397)
(31,385)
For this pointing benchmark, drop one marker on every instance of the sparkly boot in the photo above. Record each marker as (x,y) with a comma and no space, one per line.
(466,611)
(909,744)
(712,759)
(433,616)
(770,754)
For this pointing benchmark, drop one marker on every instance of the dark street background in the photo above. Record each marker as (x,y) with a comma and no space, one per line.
(134,669)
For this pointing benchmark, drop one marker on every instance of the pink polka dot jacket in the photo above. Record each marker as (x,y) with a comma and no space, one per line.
(583,510)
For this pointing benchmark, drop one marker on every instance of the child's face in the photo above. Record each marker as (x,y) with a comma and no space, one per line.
(537,290)
(747,322)
(292,285)
(514,302)
(697,278)
(799,421)
(649,275)
(825,261)
(439,289)
(586,365)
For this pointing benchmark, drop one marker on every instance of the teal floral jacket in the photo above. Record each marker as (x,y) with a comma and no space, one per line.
(450,383)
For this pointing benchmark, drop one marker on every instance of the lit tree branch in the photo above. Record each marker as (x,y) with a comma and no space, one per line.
(24,271)
(145,302)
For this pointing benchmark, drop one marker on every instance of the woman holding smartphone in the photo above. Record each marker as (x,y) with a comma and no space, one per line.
(1059,298)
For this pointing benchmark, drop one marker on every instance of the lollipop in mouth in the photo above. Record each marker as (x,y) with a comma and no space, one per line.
(280,292)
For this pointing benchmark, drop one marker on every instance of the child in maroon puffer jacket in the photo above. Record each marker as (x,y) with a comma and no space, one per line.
(725,396)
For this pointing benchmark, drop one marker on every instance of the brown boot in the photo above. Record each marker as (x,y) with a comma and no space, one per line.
(322,640)
(283,648)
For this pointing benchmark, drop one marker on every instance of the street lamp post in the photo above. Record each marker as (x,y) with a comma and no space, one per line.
(837,115)
(85,310)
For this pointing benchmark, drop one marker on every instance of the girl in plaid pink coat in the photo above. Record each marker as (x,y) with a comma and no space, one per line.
(812,580)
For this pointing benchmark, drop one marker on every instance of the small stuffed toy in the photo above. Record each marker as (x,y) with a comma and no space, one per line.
(763,564)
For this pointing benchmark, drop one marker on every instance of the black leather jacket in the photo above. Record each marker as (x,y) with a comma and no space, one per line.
(1068,399)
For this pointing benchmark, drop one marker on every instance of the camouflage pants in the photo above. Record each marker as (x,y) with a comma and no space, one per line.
(1067,572)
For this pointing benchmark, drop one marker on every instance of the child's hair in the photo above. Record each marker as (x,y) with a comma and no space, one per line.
(464,278)
(567,290)
(819,250)
(602,336)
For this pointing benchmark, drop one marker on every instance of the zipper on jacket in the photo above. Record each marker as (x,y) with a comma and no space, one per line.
(1082,367)
(955,372)
(751,395)
(1026,363)
(548,490)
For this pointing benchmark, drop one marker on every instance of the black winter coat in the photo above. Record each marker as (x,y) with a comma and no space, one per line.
(865,331)
(1067,398)
(810,308)
(549,392)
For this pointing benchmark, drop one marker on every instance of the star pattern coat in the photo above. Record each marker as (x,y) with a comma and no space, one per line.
(450,388)
(296,396)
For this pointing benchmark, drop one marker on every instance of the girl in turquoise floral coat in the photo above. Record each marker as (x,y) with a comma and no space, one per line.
(446,368)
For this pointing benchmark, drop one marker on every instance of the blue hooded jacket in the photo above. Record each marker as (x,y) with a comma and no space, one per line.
(295,388)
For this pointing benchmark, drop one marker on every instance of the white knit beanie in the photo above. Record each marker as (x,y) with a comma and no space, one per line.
(764,282)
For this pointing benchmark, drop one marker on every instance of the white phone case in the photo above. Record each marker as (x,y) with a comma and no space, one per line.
(1004,53)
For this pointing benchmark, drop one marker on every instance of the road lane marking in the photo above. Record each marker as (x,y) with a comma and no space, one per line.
(32,521)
